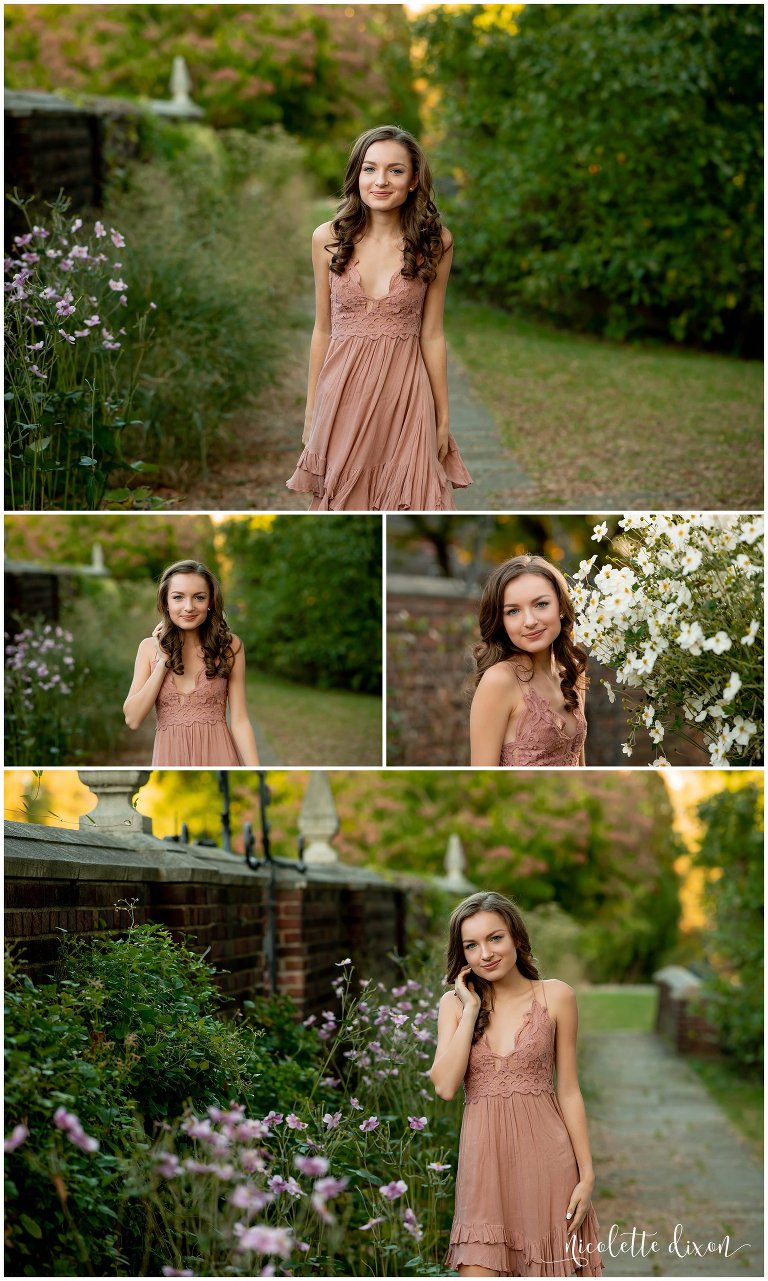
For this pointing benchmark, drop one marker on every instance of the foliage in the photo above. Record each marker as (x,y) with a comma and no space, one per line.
(136,549)
(732,853)
(42,724)
(685,596)
(309,597)
(607,162)
(323,73)
(218,258)
(71,363)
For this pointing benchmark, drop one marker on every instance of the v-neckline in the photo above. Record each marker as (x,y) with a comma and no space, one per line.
(521,1025)
(359,282)
(187,693)
(557,718)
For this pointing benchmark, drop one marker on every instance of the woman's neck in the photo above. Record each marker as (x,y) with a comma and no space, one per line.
(383,226)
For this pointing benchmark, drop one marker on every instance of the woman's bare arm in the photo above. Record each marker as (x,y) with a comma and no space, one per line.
(146,683)
(239,720)
(321,334)
(432,343)
(495,701)
(455,1027)
(562,998)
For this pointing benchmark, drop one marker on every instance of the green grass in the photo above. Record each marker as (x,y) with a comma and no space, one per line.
(616,1011)
(306,726)
(739,1093)
(659,426)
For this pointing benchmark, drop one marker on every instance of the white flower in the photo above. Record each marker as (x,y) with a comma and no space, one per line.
(659,763)
(648,714)
(743,730)
(691,560)
(731,689)
(718,643)
(646,660)
(690,637)
(600,532)
(584,568)
(626,749)
(657,732)
(751,530)
(754,628)
(609,692)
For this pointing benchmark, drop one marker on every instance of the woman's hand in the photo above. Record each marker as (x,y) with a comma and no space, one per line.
(156,638)
(442,443)
(466,991)
(581,1199)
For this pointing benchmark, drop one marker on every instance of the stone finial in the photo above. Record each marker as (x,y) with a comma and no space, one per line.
(180,83)
(455,865)
(319,821)
(97,557)
(115,790)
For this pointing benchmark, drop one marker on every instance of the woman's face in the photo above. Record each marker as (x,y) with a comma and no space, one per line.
(188,600)
(488,945)
(531,613)
(386,175)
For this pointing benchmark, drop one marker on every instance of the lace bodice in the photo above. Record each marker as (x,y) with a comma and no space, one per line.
(541,737)
(207,702)
(396,315)
(527,1069)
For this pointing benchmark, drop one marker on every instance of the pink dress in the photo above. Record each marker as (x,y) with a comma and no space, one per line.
(192,728)
(541,736)
(516,1168)
(372,442)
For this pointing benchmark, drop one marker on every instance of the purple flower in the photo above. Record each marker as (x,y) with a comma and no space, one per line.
(35,346)
(119,286)
(437,1165)
(15,1139)
(265,1240)
(79,251)
(276,1183)
(330,1187)
(371,1124)
(293,1122)
(168,1165)
(312,1018)
(393,1190)
(124,300)
(250,1129)
(76,225)
(411,1225)
(347,961)
(330,1082)
(293,1188)
(81,333)
(312,1164)
(66,264)
(176,1272)
(399,1019)
(417,1122)
(70,1124)
(31,257)
(69,337)
(248,1198)
(33,369)
(92,321)
(371,1224)
(331,1120)
(117,239)
(99,230)
(273,1118)
(356,1104)
(21,241)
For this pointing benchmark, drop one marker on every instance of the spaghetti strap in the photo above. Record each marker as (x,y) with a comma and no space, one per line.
(544,992)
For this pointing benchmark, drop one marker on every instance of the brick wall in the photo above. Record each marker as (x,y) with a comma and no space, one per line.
(59,880)
(429,664)
(677,1015)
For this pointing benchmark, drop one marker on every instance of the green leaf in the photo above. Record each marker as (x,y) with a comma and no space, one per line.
(31,1227)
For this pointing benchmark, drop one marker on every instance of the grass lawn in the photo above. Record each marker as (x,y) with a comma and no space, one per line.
(306,726)
(612,1010)
(598,424)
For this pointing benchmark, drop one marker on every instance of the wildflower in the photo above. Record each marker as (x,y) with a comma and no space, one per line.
(754,628)
(347,961)
(371,1223)
(600,532)
(124,300)
(371,1124)
(751,530)
(117,239)
(609,691)
(15,1139)
(411,1224)
(176,1272)
(691,637)
(656,732)
(276,1183)
(329,1187)
(355,1103)
(293,1122)
(70,1124)
(743,730)
(69,337)
(437,1165)
(66,264)
(331,1120)
(273,1118)
(691,560)
(21,241)
(248,1198)
(153,306)
(92,321)
(35,346)
(626,749)
(732,688)
(393,1190)
(33,369)
(648,714)
(417,1122)
(64,308)
(718,643)
(119,286)
(312,1164)
(399,1019)
(264,1240)
(79,251)
(167,1165)
(76,225)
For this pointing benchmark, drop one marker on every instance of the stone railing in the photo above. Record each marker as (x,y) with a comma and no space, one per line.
(676,1014)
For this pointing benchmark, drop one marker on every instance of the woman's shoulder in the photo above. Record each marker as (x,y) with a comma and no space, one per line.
(322,234)
(501,677)
(147,647)
(451,1002)
(447,239)
(559,994)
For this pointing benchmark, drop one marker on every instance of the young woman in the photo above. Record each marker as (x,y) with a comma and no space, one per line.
(524,1179)
(528,707)
(376,426)
(188,670)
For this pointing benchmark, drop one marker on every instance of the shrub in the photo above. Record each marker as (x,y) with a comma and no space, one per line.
(42,723)
(681,620)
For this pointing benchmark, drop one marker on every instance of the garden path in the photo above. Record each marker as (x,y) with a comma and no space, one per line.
(666,1154)
(137,749)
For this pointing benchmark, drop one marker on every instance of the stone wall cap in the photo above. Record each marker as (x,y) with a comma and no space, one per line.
(678,979)
(424,585)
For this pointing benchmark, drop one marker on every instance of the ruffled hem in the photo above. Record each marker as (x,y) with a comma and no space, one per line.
(387,487)
(511,1254)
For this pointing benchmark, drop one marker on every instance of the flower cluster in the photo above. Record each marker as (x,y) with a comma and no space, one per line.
(40,675)
(678,614)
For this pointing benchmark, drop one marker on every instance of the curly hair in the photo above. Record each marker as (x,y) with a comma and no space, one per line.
(420,220)
(495,645)
(215,636)
(487,901)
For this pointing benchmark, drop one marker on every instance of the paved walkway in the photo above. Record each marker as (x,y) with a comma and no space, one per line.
(665,1154)
(493,469)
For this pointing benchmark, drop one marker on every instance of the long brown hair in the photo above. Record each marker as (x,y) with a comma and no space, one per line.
(487,901)
(420,220)
(495,645)
(214,634)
